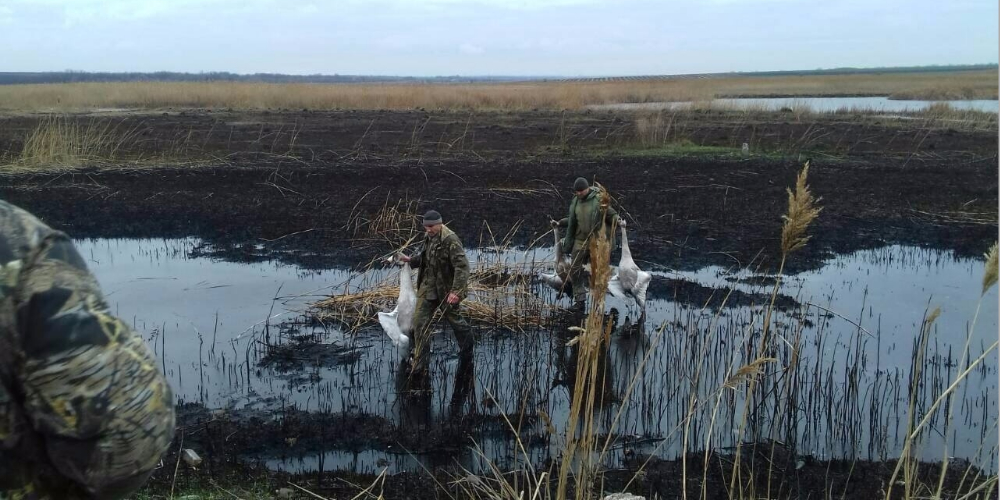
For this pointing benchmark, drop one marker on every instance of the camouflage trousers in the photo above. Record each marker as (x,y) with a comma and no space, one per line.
(426,311)
(581,256)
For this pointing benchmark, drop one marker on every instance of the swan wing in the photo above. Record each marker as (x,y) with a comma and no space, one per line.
(615,287)
(641,285)
(391,327)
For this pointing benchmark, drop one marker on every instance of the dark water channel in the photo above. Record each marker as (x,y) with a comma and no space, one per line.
(862,314)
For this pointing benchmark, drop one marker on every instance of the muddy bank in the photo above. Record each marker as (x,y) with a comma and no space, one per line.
(328,136)
(299,186)
(224,438)
(686,212)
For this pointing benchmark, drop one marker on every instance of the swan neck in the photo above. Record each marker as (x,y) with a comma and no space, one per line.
(405,283)
(625,249)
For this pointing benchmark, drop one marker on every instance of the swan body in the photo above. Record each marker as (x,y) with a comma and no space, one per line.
(630,280)
(559,280)
(398,324)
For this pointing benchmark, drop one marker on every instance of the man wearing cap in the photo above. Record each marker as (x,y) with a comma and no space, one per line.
(442,283)
(583,222)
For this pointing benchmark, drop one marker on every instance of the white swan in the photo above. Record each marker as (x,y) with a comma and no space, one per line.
(398,324)
(559,280)
(630,280)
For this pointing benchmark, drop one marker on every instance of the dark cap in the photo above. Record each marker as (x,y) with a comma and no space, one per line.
(431,218)
(580,184)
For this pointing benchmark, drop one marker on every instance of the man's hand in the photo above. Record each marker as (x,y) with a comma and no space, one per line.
(553,223)
(403,258)
(622,223)
(452,298)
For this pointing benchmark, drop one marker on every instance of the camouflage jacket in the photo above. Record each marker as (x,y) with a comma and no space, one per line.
(584,220)
(84,411)
(443,267)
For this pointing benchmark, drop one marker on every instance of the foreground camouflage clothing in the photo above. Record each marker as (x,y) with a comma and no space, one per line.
(84,412)
(444,269)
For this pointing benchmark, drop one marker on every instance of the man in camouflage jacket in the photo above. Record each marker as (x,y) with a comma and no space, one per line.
(84,411)
(442,283)
(586,216)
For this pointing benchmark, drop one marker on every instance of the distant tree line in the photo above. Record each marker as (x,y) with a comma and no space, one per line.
(71,76)
(894,69)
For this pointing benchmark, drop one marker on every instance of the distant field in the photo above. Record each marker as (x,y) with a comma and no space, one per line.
(949,85)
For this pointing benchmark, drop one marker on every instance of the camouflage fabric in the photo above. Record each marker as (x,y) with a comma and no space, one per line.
(423,315)
(579,278)
(443,267)
(84,411)
(584,220)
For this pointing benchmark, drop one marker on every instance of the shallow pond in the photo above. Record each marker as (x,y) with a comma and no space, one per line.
(858,316)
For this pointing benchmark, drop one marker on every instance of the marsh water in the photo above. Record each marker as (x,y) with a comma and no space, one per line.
(819,104)
(859,317)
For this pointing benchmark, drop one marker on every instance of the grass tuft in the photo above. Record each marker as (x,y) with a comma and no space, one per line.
(60,141)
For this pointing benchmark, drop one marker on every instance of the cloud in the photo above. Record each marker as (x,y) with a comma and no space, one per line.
(540,37)
(468,48)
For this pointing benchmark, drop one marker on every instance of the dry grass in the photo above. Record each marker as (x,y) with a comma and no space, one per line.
(506,96)
(654,131)
(955,92)
(497,297)
(578,458)
(945,113)
(60,141)
(802,211)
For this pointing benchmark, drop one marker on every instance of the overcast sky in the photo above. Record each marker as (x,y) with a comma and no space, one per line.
(492,37)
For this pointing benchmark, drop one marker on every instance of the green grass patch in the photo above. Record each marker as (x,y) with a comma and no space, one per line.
(671,149)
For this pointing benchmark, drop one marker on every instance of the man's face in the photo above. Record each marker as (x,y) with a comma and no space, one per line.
(433,230)
(583,193)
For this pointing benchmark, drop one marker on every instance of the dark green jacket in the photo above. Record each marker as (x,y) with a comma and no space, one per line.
(443,267)
(579,229)
(84,409)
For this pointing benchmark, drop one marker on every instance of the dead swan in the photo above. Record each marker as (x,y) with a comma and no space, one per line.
(398,324)
(558,280)
(630,280)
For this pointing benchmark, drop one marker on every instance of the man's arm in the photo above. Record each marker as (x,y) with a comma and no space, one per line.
(91,386)
(459,262)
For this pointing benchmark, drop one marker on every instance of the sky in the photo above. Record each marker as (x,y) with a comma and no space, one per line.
(492,37)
